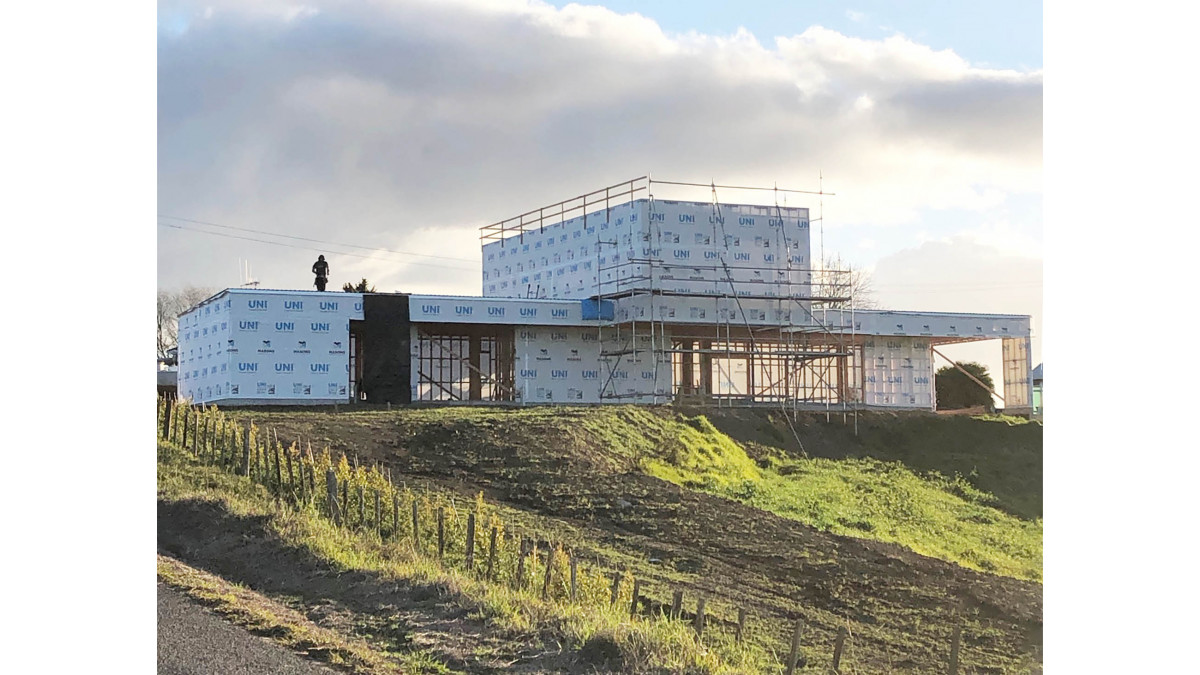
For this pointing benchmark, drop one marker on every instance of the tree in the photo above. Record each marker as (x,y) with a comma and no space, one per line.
(955,390)
(360,287)
(840,279)
(171,303)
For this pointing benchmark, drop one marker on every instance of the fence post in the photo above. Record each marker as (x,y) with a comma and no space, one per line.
(186,419)
(741,627)
(291,474)
(300,470)
(549,572)
(574,568)
(492,556)
(378,515)
(441,524)
(416,531)
(168,408)
(312,479)
(362,507)
(278,469)
(616,585)
(698,624)
(795,653)
(676,604)
(954,646)
(837,650)
(395,513)
(521,565)
(637,585)
(346,502)
(246,451)
(195,431)
(331,487)
(470,541)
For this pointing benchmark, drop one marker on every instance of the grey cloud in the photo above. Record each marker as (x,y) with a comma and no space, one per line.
(364,121)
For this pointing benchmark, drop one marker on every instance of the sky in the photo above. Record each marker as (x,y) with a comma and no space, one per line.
(396,129)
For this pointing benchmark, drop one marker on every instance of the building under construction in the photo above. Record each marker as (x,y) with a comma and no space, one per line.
(613,296)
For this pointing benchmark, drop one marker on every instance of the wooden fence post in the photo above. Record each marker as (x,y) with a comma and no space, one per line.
(187,414)
(616,586)
(291,474)
(416,530)
(837,650)
(246,451)
(300,470)
(549,572)
(312,479)
(698,624)
(574,569)
(470,541)
(278,469)
(378,515)
(637,585)
(331,487)
(195,431)
(492,556)
(741,627)
(362,507)
(441,524)
(168,408)
(795,653)
(955,642)
(521,565)
(346,502)
(395,512)
(676,604)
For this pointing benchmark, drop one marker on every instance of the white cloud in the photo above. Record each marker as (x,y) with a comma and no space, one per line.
(408,124)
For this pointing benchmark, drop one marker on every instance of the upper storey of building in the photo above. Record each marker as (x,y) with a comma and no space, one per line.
(669,247)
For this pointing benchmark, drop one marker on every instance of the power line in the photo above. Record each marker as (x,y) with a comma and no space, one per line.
(311,248)
(318,241)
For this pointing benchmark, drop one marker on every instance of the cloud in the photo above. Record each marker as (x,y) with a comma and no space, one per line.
(410,124)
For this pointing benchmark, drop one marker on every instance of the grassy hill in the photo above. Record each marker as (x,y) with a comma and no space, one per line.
(917,524)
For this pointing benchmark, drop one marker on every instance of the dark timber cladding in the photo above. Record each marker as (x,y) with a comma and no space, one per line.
(384,349)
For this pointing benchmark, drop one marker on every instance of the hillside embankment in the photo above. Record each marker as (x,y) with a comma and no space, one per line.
(914,526)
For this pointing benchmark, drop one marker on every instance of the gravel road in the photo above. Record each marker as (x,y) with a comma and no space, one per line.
(194,641)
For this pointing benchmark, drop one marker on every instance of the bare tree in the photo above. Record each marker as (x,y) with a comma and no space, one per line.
(171,303)
(838,278)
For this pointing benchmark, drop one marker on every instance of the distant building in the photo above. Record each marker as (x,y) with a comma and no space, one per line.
(613,299)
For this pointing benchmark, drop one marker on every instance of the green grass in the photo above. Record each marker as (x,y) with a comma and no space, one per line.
(946,518)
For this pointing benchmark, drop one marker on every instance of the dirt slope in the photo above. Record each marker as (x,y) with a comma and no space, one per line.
(901,608)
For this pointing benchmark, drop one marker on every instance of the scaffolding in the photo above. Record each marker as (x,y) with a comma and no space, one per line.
(789,355)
